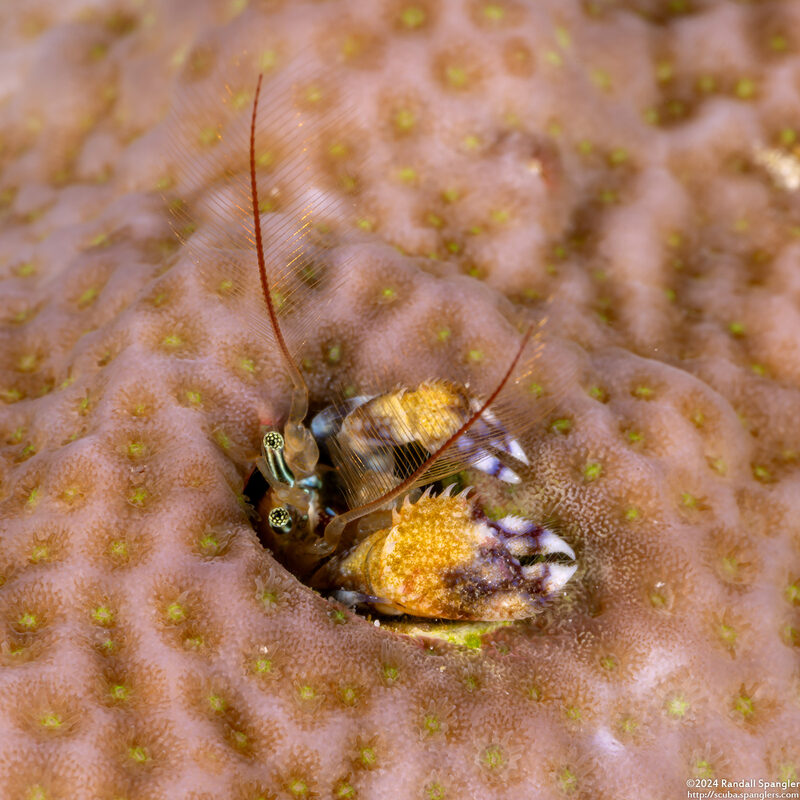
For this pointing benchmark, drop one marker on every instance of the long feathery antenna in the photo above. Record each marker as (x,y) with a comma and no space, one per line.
(300,394)
(334,528)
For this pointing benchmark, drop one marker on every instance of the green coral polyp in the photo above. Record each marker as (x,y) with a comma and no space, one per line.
(456,76)
(103,615)
(618,156)
(337,616)
(119,692)
(118,549)
(493,758)
(87,297)
(240,739)
(390,673)
(743,706)
(314,95)
(728,634)
(137,449)
(762,473)
(344,791)
(208,544)
(431,724)
(306,693)
(39,553)
(12,395)
(609,663)
(677,707)
(349,695)
(592,471)
(405,120)
(262,666)
(209,136)
(407,174)
(567,780)
(51,721)
(71,494)
(138,497)
(628,726)
(138,754)
(791,635)
(368,758)
(175,613)
(333,354)
(28,621)
(99,240)
(413,17)
(28,451)
(27,362)
(719,465)
(16,435)
(435,791)
(297,787)
(172,341)
(737,328)
(554,58)
(702,768)
(534,693)
(690,501)
(745,89)
(443,334)
(222,439)
(731,568)
(216,703)
(268,598)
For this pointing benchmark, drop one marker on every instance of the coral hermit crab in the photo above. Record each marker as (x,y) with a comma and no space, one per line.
(361,503)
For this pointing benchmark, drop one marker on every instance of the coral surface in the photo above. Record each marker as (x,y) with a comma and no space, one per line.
(625,169)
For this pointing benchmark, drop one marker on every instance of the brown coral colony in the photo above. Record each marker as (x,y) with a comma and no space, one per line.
(433,176)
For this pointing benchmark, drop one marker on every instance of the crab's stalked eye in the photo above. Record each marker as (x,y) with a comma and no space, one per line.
(273,440)
(273,452)
(280,520)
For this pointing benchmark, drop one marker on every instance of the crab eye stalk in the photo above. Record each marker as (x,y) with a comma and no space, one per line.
(273,440)
(273,450)
(280,520)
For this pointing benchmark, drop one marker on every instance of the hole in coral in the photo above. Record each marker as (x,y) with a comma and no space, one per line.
(491,562)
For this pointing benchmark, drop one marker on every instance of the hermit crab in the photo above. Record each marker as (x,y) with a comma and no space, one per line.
(366,501)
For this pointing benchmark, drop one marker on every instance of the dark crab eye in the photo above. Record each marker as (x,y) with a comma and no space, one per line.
(280,520)
(273,440)
(272,448)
